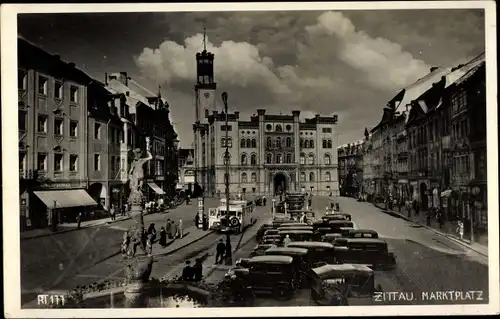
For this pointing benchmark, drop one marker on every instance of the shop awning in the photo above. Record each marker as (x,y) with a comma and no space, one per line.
(156,188)
(65,198)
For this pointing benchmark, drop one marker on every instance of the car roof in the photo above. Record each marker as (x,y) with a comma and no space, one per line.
(366,240)
(361,231)
(285,250)
(296,228)
(294,224)
(326,271)
(271,259)
(310,244)
(295,231)
(332,235)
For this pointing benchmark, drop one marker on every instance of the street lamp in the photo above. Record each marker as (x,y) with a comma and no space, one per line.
(475,192)
(226,159)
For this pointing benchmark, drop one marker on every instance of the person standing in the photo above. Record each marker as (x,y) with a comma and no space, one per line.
(168,228)
(149,244)
(112,212)
(187,272)
(163,237)
(198,270)
(152,232)
(78,220)
(220,250)
(181,230)
(287,241)
(173,230)
(264,200)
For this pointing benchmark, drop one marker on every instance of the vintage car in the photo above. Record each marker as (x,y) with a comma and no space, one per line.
(335,225)
(260,250)
(271,231)
(334,284)
(336,216)
(271,239)
(362,233)
(285,227)
(344,231)
(318,253)
(340,242)
(297,235)
(292,225)
(295,201)
(277,222)
(322,230)
(369,251)
(262,230)
(330,237)
(298,255)
(275,275)
(297,214)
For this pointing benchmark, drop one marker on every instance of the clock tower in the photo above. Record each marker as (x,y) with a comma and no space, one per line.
(204,88)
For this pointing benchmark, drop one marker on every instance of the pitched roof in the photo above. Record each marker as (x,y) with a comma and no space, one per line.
(416,89)
(133,98)
(463,72)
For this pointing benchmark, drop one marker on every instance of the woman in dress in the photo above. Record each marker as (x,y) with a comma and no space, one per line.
(163,237)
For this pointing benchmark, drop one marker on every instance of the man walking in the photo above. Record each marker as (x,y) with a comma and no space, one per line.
(78,220)
(220,249)
(112,212)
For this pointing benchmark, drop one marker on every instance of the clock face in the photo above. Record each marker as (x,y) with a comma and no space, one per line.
(207,95)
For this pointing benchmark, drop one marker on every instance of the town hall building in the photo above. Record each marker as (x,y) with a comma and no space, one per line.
(267,153)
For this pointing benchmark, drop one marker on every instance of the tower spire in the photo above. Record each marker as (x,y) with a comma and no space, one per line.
(204,39)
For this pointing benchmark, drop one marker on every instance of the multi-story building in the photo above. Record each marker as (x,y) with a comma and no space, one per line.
(186,170)
(52,137)
(267,154)
(350,168)
(467,96)
(368,183)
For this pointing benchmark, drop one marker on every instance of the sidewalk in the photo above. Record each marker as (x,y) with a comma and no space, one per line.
(449,230)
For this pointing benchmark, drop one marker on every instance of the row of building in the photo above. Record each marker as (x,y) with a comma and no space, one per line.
(268,153)
(429,146)
(76,135)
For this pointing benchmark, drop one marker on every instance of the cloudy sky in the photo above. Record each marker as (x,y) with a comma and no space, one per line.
(349,62)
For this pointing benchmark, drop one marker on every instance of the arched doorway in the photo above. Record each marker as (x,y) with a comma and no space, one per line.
(423,196)
(99,193)
(280,183)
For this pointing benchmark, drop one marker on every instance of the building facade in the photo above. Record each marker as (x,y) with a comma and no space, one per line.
(186,170)
(350,168)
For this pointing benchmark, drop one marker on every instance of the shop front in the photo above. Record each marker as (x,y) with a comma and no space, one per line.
(58,202)
(156,193)
(117,196)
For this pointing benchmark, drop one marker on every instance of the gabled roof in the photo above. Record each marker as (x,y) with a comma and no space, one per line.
(133,98)
(463,72)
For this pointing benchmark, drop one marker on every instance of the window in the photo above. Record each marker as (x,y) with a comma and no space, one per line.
(73,163)
(229,142)
(22,159)
(97,162)
(278,142)
(310,159)
(244,178)
(58,162)
(269,158)
(42,85)
(41,162)
(324,144)
(302,177)
(327,143)
(58,90)
(42,124)
(328,176)
(328,159)
(227,128)
(254,143)
(253,159)
(269,142)
(21,79)
(243,159)
(223,142)
(269,127)
(311,177)
(279,159)
(306,144)
(301,143)
(253,179)
(288,142)
(242,143)
(226,159)
(249,143)
(97,131)
(73,94)
(21,120)
(302,159)
(58,126)
(311,143)
(327,129)
(278,128)
(288,158)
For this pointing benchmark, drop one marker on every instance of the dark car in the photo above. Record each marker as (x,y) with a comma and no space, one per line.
(260,250)
(298,255)
(262,230)
(330,238)
(297,235)
(318,253)
(362,233)
(369,251)
(275,275)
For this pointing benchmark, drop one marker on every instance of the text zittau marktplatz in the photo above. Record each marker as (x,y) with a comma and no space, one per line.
(447,295)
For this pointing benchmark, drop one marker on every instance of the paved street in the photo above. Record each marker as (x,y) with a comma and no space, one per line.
(426,261)
(63,256)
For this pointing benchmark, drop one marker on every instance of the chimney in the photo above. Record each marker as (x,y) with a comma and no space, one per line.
(434,68)
(237,113)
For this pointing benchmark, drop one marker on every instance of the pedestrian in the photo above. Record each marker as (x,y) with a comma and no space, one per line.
(152,232)
(78,220)
(168,227)
(163,237)
(181,230)
(205,222)
(126,208)
(196,220)
(264,200)
(198,270)
(220,250)
(125,243)
(187,272)
(149,244)
(460,229)
(173,230)
(287,241)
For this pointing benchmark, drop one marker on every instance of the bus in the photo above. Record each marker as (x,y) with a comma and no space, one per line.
(240,216)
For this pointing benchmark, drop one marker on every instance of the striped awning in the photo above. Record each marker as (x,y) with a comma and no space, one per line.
(65,198)
(156,188)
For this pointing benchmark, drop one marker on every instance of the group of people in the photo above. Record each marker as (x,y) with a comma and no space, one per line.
(193,273)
